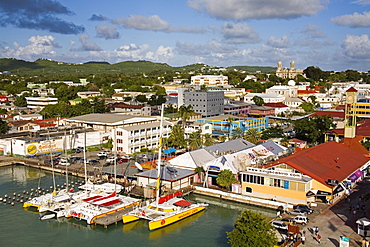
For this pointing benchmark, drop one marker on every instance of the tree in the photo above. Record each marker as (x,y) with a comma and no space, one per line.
(312,129)
(200,171)
(252,230)
(208,140)
(109,144)
(237,133)
(252,135)
(21,100)
(226,179)
(185,112)
(258,100)
(4,127)
(195,140)
(230,120)
(272,132)
(176,138)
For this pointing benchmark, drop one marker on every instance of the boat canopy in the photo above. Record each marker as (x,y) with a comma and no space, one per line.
(91,198)
(182,203)
(110,203)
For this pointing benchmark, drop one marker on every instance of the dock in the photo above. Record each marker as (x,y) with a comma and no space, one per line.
(112,218)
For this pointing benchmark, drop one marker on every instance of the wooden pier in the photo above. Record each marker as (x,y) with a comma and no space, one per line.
(112,218)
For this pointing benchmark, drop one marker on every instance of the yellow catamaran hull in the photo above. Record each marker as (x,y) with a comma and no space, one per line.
(156,224)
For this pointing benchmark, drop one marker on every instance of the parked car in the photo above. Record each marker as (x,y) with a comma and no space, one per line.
(287,221)
(297,212)
(300,220)
(74,160)
(102,155)
(78,150)
(94,162)
(305,208)
(64,162)
(279,225)
(111,159)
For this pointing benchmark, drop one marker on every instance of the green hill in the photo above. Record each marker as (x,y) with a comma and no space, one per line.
(49,67)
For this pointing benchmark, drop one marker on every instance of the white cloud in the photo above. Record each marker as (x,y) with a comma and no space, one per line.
(362,2)
(313,31)
(357,47)
(39,46)
(87,46)
(282,42)
(353,20)
(257,9)
(135,52)
(239,33)
(103,31)
(153,23)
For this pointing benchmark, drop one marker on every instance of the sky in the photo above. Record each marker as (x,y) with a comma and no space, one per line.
(329,34)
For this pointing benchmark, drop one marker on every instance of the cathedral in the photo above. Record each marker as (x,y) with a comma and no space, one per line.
(291,73)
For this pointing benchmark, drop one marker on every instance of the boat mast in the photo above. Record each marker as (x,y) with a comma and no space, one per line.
(115,158)
(85,158)
(65,154)
(159,157)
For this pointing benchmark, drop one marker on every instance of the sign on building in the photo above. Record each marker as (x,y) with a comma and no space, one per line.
(43,147)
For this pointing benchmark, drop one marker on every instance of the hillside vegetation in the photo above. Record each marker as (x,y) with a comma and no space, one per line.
(48,67)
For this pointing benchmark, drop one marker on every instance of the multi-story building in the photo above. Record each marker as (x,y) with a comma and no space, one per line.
(292,72)
(206,103)
(132,133)
(209,80)
(39,103)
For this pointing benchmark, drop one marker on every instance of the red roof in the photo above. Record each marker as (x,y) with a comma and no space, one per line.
(363,129)
(330,160)
(355,144)
(351,89)
(276,105)
(306,91)
(333,114)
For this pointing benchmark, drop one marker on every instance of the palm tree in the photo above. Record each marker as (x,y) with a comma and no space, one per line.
(208,140)
(195,140)
(252,135)
(230,120)
(199,170)
(185,112)
(237,133)
(176,138)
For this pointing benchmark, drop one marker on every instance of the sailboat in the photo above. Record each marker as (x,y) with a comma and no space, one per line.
(164,210)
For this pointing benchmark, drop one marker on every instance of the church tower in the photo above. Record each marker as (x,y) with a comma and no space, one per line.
(350,113)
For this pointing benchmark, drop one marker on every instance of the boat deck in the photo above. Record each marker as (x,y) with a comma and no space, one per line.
(113,217)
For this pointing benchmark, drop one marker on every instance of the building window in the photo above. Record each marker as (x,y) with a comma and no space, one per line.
(248,190)
(119,133)
(119,141)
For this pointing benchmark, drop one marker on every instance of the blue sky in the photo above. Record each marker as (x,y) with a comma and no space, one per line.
(329,34)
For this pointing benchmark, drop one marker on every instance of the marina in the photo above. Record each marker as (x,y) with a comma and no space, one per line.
(207,228)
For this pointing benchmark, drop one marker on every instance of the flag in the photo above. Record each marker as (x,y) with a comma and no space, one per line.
(223,160)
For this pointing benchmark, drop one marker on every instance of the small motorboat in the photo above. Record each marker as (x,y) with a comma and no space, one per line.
(47,216)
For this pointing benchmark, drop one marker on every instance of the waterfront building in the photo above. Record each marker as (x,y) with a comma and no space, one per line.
(323,172)
(132,133)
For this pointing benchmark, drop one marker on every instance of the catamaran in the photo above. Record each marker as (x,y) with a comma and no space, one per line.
(164,210)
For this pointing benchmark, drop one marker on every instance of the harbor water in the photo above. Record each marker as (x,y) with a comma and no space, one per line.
(22,227)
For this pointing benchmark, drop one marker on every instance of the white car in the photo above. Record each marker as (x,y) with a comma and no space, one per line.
(300,220)
(102,154)
(64,162)
(279,225)
(111,159)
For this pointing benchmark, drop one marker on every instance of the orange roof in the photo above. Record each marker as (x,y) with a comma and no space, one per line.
(355,144)
(338,114)
(330,160)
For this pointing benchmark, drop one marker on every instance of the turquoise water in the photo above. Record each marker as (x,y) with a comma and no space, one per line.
(20,227)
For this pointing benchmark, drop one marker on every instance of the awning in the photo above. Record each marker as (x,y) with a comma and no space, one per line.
(183,203)
(91,198)
(110,203)
(170,150)
(357,174)
(317,193)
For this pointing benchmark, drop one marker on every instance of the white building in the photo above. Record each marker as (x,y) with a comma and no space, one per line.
(132,133)
(267,97)
(209,80)
(38,103)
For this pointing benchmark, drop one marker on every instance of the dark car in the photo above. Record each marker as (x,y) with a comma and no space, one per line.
(94,162)
(304,208)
